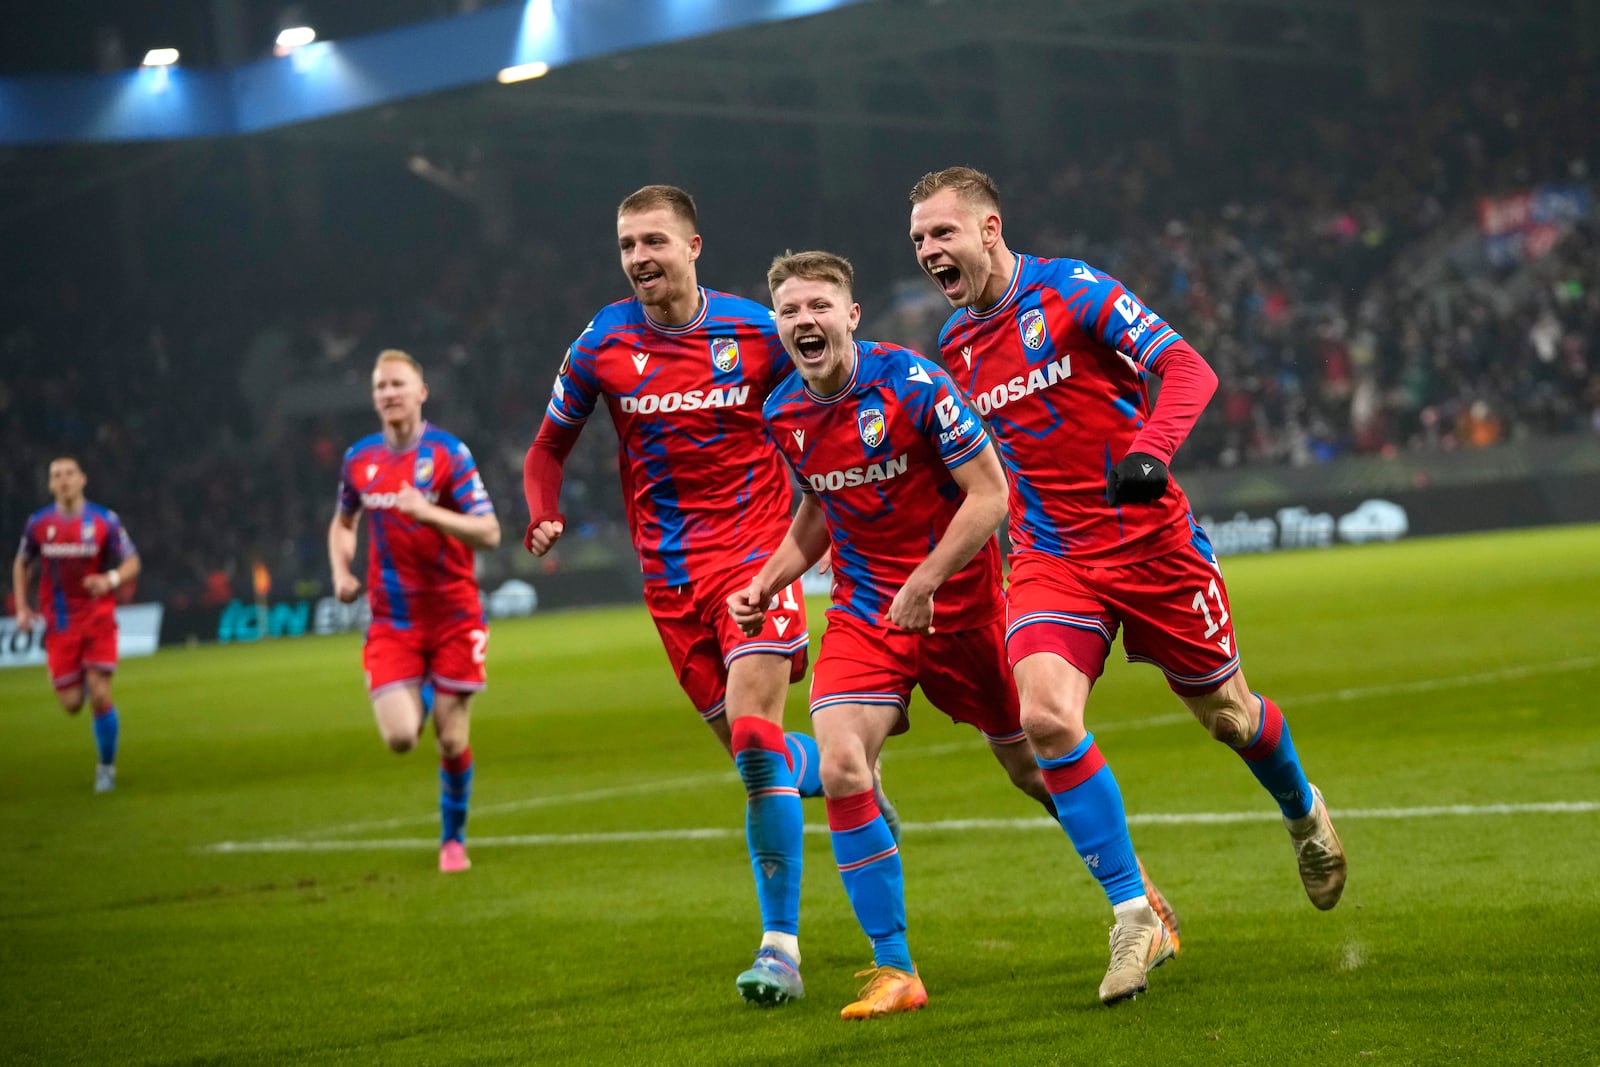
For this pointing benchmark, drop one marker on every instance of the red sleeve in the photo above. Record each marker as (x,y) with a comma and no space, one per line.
(541,470)
(1187,383)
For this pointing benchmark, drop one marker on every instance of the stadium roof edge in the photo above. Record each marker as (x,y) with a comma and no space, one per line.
(332,77)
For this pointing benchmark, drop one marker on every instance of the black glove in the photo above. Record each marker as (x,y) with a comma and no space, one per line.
(1138,479)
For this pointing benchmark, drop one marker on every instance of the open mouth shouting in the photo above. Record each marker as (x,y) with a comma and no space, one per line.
(947,277)
(812,347)
(647,280)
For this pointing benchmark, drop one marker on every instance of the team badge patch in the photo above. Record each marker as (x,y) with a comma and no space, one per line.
(870,422)
(87,531)
(724,353)
(1032,327)
(423,474)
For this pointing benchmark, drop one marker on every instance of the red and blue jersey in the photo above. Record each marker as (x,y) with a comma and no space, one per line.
(69,548)
(705,492)
(878,455)
(1057,367)
(414,572)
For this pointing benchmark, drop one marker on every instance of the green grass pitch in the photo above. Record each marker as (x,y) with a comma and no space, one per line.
(1441,692)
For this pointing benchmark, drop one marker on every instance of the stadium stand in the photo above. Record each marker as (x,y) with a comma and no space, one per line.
(1348,307)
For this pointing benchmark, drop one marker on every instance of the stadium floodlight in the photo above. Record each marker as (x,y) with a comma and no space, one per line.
(160,57)
(522,72)
(295,37)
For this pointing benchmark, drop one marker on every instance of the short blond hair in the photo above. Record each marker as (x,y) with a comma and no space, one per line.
(395,355)
(973,186)
(814,266)
(676,200)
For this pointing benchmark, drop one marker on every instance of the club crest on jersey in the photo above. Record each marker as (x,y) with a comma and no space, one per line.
(50,533)
(870,423)
(372,468)
(724,353)
(86,532)
(1032,326)
(424,471)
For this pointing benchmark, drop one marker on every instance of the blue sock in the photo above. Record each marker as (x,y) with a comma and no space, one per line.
(807,763)
(1271,757)
(869,864)
(774,825)
(1089,808)
(106,728)
(455,791)
(426,692)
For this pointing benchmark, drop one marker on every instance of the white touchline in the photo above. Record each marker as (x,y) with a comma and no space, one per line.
(668,785)
(1563,807)
(912,752)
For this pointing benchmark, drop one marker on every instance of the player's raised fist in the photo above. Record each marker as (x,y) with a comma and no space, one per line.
(541,537)
(1138,479)
(749,608)
(347,587)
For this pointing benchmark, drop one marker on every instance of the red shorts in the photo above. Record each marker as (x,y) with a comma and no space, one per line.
(701,638)
(963,673)
(448,654)
(1173,610)
(87,645)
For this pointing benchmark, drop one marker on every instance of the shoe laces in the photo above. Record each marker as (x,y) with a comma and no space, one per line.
(1128,945)
(880,979)
(1316,852)
(770,959)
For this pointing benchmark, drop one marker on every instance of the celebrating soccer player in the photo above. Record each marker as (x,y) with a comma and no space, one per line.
(1054,354)
(683,370)
(429,513)
(898,475)
(83,556)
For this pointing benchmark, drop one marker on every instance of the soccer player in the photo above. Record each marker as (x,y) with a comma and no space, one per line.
(899,477)
(1054,354)
(83,556)
(430,512)
(683,371)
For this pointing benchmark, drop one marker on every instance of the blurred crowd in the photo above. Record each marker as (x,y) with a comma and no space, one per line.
(1341,290)
(1335,277)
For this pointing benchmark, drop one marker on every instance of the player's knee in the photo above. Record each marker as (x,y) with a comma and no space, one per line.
(400,742)
(71,700)
(1044,721)
(1229,722)
(452,747)
(843,777)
